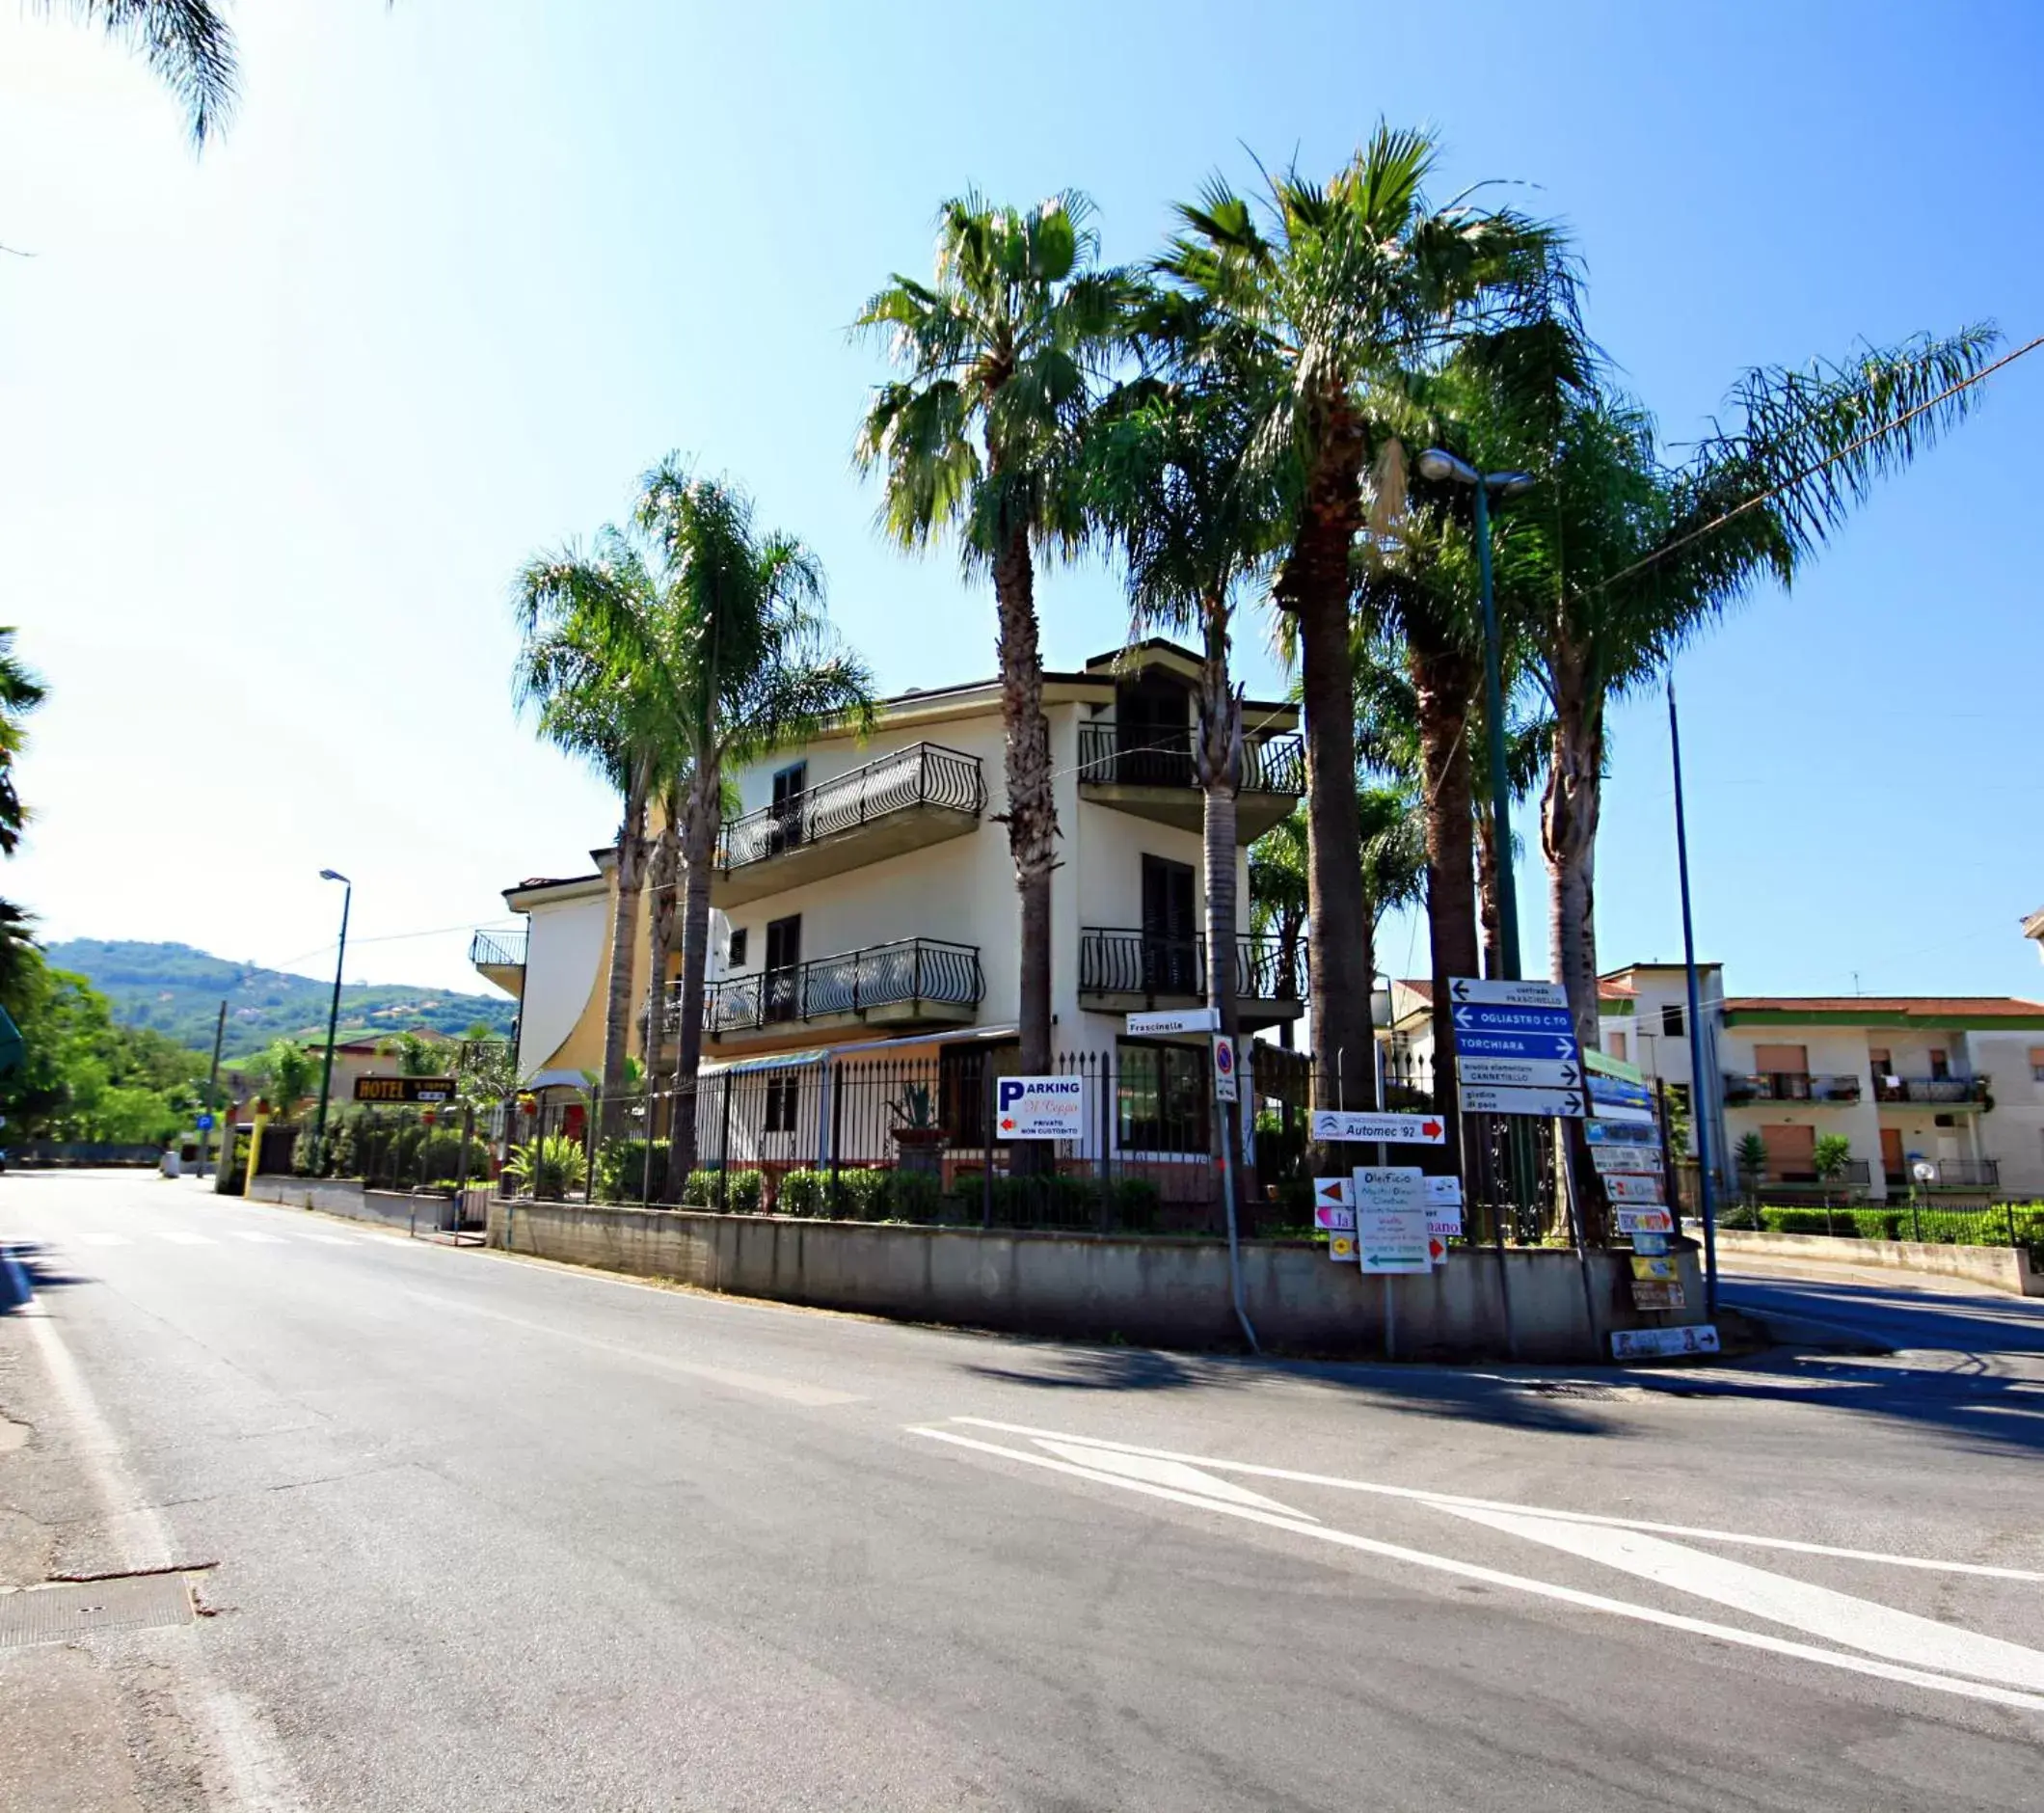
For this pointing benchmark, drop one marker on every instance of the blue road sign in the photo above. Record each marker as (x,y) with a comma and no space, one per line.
(204,1123)
(1605,1131)
(1546,1046)
(1616,1088)
(1483,1017)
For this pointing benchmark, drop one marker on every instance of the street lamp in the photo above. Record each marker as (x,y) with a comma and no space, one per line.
(326,1074)
(1443,466)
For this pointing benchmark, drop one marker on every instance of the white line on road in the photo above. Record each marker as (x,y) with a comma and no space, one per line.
(1521,1583)
(328,1239)
(106,1239)
(249,1233)
(184,1239)
(1422,1495)
(1839,1617)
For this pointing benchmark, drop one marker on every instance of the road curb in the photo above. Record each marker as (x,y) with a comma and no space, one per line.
(1808,1332)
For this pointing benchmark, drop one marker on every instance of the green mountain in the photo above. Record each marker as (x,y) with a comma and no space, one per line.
(179,991)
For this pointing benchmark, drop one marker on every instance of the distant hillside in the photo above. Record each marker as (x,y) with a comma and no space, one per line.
(179,991)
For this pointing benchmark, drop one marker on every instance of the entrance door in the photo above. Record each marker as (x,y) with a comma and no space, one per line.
(1169,918)
(1791,1153)
(784,956)
(1893,1166)
(788,787)
(1153,735)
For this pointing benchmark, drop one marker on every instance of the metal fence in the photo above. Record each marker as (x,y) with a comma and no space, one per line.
(923,775)
(1151,756)
(407,1148)
(2001,1224)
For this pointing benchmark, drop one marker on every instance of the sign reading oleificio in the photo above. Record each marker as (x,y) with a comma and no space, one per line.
(1041,1107)
(1188,1019)
(1366,1127)
(1391,1219)
(1516,1049)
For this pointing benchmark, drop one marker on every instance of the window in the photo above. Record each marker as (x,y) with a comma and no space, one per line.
(1944,1119)
(1940,1062)
(784,1098)
(1160,1098)
(788,787)
(1672,1020)
(1782,1060)
(737,958)
(1791,1153)
(2036,1062)
(1169,926)
(963,1075)
(1617,1043)
(784,955)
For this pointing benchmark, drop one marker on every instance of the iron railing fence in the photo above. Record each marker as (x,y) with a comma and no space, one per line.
(1113,754)
(922,774)
(407,1148)
(1930,1088)
(1947,1174)
(880,975)
(1124,961)
(1790,1086)
(1851,1175)
(500,950)
(1998,1225)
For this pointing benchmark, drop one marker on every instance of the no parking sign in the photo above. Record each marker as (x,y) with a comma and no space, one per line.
(1225,1084)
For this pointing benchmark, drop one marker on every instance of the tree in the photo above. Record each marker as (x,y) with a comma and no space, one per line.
(1750,1156)
(286,1069)
(1346,285)
(1278,898)
(595,699)
(187,44)
(1000,353)
(21,692)
(417,1055)
(729,639)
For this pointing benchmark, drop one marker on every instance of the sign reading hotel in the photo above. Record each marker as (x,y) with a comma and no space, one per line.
(404,1089)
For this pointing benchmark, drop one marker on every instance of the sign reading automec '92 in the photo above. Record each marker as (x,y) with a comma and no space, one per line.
(1041,1107)
(404,1089)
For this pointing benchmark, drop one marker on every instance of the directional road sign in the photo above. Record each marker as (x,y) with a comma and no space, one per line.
(1334,1206)
(1621,1188)
(1652,1245)
(1508,993)
(1362,1128)
(1645,1220)
(1391,1219)
(1551,1047)
(1479,1017)
(1184,1019)
(1644,1159)
(1554,1104)
(1612,1089)
(1519,1073)
(1604,1131)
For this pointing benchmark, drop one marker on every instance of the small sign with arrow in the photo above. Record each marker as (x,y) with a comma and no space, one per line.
(1566,1104)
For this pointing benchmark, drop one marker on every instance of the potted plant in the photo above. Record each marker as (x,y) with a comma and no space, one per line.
(919,1141)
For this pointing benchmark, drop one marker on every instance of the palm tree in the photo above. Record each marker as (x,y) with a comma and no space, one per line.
(1000,354)
(596,701)
(1279,899)
(735,647)
(1352,283)
(1624,556)
(21,692)
(664,879)
(187,43)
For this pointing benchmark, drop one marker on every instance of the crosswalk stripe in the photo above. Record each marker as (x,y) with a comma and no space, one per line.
(267,1239)
(328,1239)
(106,1239)
(182,1238)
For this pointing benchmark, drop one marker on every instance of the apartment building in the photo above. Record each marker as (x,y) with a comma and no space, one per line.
(864,896)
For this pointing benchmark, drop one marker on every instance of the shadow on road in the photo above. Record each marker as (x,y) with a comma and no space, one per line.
(29,1261)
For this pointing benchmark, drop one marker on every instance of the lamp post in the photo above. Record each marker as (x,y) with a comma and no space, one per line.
(326,1074)
(1442,467)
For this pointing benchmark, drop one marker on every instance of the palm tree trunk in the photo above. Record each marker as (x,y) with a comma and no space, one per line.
(1219,766)
(1031,809)
(661,874)
(1445,683)
(1487,894)
(699,828)
(631,872)
(1314,586)
(1568,835)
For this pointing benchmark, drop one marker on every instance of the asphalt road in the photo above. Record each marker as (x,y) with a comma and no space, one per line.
(490,1534)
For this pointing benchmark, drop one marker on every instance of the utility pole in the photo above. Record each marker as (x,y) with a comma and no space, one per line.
(212,1087)
(1700,1097)
(326,1074)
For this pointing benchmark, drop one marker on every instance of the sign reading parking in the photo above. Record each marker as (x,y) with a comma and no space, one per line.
(1041,1107)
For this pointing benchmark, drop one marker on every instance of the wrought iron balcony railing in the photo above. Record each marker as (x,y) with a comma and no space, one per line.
(1853,1173)
(908,971)
(1113,754)
(1790,1086)
(1948,1174)
(923,775)
(1941,1091)
(497,950)
(1121,961)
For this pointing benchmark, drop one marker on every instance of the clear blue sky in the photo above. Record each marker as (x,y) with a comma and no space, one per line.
(280,422)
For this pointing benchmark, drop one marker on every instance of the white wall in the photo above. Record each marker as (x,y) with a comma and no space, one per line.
(2015,1132)
(565,955)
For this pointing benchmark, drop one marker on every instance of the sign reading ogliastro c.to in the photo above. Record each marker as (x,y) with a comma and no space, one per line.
(1041,1107)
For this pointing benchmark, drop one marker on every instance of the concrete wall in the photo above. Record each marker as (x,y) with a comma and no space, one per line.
(340,1196)
(1153,1291)
(1999,1268)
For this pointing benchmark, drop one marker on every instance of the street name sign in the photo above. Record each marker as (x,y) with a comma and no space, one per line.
(1519,1073)
(1645,1220)
(1654,1344)
(1391,1129)
(1658,1294)
(1644,1159)
(1041,1107)
(426,1089)
(1391,1219)
(1553,1048)
(1484,1018)
(1602,1130)
(1554,1104)
(1621,1186)
(1188,1019)
(1508,993)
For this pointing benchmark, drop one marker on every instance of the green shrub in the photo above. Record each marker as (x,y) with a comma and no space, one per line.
(1134,1205)
(802,1193)
(1805,1221)
(699,1189)
(914,1195)
(547,1167)
(622,1175)
(1877,1224)
(861,1196)
(745,1191)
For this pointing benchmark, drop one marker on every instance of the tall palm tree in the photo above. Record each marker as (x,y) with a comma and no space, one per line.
(21,692)
(664,886)
(1343,286)
(595,700)
(736,648)
(1000,354)
(187,43)
(1624,556)
(1279,899)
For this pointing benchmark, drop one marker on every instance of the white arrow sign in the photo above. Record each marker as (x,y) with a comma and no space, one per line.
(1622,1188)
(1559,1103)
(1641,1158)
(1645,1220)
(1508,993)
(1185,1019)
(1397,1129)
(1519,1073)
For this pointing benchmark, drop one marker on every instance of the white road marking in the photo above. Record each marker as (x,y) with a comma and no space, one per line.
(1168,1473)
(106,1239)
(1521,1583)
(183,1238)
(1421,1495)
(249,1233)
(328,1239)
(1839,1617)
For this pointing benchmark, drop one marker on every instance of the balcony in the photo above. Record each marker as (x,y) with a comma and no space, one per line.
(1939,1091)
(910,984)
(1790,1086)
(1948,1173)
(1156,779)
(906,800)
(1853,1177)
(501,956)
(1131,971)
